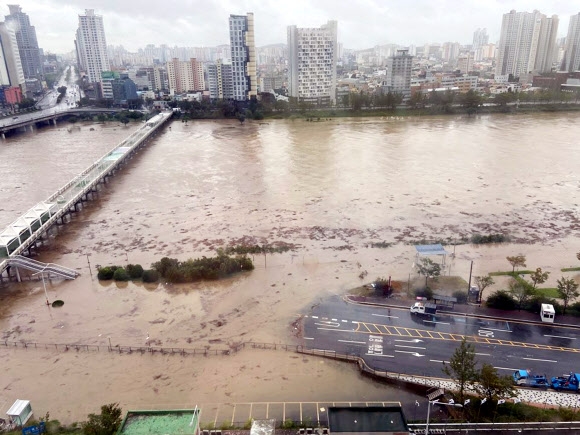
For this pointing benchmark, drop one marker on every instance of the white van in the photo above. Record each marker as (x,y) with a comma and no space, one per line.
(547,314)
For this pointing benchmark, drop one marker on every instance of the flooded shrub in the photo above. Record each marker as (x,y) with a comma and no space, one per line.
(424,293)
(105,273)
(205,268)
(121,275)
(150,275)
(479,239)
(135,271)
(502,300)
(461,296)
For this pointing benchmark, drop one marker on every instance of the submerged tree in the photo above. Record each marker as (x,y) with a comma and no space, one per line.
(428,268)
(517,261)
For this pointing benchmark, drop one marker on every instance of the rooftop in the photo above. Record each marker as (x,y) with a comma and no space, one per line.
(169,422)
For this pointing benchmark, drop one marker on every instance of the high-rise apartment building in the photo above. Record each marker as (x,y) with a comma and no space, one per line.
(399,69)
(527,43)
(92,46)
(220,80)
(480,38)
(185,76)
(571,59)
(243,57)
(27,42)
(312,57)
(11,73)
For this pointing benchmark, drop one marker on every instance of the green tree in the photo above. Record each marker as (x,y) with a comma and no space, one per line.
(493,386)
(517,261)
(539,277)
(568,289)
(521,291)
(61,90)
(105,423)
(482,283)
(428,268)
(417,100)
(471,101)
(461,368)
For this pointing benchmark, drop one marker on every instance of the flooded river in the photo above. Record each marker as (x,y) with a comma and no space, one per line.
(331,188)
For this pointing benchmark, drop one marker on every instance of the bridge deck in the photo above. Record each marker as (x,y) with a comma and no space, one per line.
(19,235)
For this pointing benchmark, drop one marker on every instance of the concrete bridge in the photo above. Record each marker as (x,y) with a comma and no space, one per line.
(28,121)
(30,229)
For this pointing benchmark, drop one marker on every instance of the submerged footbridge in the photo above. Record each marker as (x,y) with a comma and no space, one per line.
(28,230)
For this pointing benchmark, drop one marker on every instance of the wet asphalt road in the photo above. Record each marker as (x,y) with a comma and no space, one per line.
(392,339)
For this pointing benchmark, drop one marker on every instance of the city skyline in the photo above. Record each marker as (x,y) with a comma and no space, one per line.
(362,23)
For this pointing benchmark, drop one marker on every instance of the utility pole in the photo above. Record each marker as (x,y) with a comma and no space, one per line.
(470,270)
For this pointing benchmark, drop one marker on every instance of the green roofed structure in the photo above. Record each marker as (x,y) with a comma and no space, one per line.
(167,422)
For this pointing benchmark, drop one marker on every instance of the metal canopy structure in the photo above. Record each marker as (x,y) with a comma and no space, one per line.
(23,227)
(429,250)
(426,250)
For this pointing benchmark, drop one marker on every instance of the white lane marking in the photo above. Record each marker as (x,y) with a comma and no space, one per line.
(409,347)
(308,338)
(314,317)
(505,368)
(483,354)
(346,321)
(350,341)
(384,315)
(544,360)
(354,321)
(384,356)
(334,320)
(416,340)
(439,361)
(492,329)
(441,323)
(412,353)
(559,336)
(334,329)
(333,324)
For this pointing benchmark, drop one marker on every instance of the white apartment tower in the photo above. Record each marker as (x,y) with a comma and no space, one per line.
(185,76)
(571,60)
(11,72)
(243,57)
(527,43)
(312,57)
(399,69)
(480,38)
(92,46)
(219,80)
(27,42)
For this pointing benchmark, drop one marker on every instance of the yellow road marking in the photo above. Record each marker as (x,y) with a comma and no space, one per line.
(411,332)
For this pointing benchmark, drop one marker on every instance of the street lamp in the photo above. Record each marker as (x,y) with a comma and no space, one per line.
(436,401)
(44,285)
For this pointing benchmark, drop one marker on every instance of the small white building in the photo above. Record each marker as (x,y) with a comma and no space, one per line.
(20,412)
(548,313)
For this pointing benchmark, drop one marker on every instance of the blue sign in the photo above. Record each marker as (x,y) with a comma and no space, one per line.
(34,430)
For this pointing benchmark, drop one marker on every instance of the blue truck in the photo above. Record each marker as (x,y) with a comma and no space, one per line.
(525,378)
(570,382)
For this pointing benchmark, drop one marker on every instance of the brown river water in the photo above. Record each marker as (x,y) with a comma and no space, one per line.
(331,188)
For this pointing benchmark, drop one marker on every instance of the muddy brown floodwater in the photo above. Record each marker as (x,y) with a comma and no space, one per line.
(331,188)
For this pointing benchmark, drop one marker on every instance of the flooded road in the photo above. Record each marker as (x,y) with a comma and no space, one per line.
(330,188)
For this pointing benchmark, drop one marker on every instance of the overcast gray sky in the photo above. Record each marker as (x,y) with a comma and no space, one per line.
(361,23)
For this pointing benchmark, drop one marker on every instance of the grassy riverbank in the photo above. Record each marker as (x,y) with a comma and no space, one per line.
(324,113)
